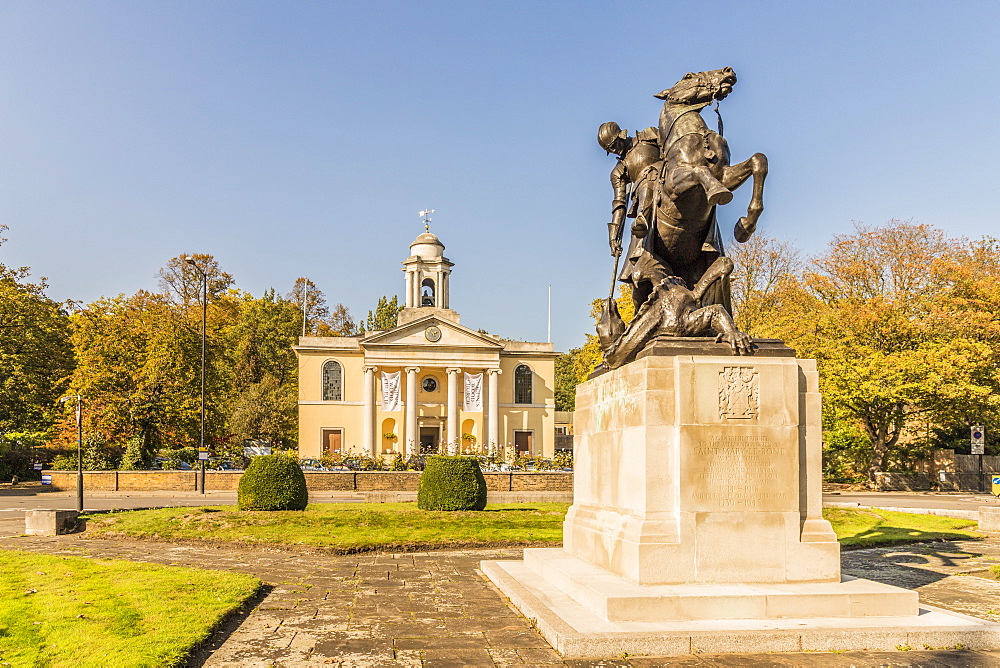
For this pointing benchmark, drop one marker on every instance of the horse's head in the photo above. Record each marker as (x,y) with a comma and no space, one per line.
(700,87)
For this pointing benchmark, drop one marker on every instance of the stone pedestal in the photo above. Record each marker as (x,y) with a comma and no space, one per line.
(697,470)
(698,511)
(50,522)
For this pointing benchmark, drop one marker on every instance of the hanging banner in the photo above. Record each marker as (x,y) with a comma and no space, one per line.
(473,392)
(390,391)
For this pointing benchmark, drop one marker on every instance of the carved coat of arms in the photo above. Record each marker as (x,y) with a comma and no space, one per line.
(739,392)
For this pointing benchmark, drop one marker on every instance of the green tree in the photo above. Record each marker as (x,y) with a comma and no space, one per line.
(567,377)
(35,352)
(263,380)
(385,316)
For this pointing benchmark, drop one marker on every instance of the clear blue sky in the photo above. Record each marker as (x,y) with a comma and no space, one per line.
(301,138)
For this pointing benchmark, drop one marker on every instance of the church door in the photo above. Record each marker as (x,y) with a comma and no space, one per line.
(332,441)
(522,442)
(429,440)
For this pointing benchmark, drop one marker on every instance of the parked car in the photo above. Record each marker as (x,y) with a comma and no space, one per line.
(311,465)
(161,463)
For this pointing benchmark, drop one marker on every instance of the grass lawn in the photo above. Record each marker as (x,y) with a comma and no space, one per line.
(345,527)
(866,527)
(73,611)
(356,527)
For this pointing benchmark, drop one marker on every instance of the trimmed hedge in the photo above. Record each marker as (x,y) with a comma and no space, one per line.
(273,482)
(452,483)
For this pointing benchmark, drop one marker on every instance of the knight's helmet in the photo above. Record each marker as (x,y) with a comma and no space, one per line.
(608,133)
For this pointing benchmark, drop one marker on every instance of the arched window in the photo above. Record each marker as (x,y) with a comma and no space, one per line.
(522,384)
(427,293)
(333,381)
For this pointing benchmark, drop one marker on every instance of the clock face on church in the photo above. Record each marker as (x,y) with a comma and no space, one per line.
(433,334)
(429,384)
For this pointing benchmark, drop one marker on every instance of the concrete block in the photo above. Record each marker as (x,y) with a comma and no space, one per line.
(989,518)
(50,522)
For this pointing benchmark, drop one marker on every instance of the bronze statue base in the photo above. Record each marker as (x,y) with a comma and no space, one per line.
(666,346)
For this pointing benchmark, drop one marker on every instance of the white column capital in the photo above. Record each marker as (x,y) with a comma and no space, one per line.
(411,369)
(453,369)
(370,368)
(490,372)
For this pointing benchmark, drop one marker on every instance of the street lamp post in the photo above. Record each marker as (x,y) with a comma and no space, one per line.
(79,449)
(204,311)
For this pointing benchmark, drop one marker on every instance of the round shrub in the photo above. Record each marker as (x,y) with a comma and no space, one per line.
(273,482)
(452,483)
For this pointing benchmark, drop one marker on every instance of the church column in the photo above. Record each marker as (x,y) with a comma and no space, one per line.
(410,442)
(453,437)
(368,433)
(493,410)
(444,290)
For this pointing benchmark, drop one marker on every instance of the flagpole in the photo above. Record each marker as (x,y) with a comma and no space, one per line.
(549,329)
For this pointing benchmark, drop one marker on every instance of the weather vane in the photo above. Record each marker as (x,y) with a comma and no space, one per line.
(425,218)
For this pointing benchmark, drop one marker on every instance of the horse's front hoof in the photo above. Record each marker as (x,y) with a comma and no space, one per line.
(720,197)
(742,231)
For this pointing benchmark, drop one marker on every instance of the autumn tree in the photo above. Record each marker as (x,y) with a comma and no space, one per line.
(182,281)
(35,353)
(341,323)
(320,320)
(762,266)
(312,305)
(878,311)
(573,367)
(138,368)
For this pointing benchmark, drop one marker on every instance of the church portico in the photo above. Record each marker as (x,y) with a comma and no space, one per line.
(428,384)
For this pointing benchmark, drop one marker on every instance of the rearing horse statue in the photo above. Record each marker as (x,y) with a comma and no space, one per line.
(675,239)
(696,169)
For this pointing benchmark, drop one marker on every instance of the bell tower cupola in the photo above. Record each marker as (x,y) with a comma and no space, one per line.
(427,273)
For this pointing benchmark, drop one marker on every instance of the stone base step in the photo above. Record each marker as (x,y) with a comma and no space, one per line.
(616,599)
(576,631)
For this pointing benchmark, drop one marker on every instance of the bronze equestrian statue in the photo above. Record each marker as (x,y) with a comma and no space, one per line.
(679,173)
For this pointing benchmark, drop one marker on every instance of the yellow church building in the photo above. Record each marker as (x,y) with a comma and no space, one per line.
(428,384)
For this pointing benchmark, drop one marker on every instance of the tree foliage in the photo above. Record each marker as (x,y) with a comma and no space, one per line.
(35,354)
(902,321)
(899,319)
(140,361)
(273,482)
(385,316)
(320,320)
(182,281)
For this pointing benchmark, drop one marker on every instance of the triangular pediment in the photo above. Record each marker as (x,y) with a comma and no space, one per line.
(422,332)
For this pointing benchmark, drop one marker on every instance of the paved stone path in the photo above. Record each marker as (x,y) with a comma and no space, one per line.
(434,609)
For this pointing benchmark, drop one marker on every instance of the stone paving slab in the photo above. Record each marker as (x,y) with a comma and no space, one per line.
(434,609)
